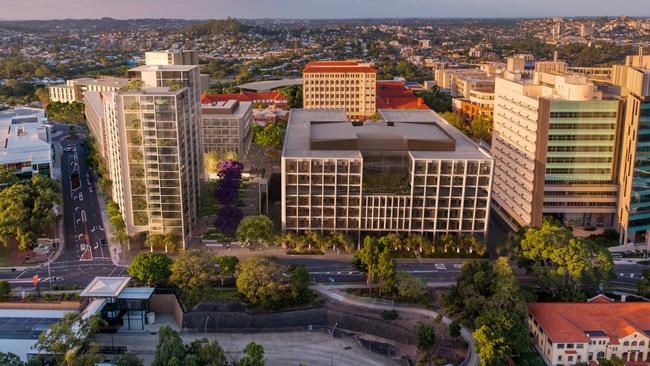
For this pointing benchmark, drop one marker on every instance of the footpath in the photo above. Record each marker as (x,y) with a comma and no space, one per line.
(329,291)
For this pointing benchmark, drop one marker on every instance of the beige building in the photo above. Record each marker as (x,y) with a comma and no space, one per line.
(150,138)
(73,90)
(633,78)
(580,333)
(172,57)
(227,125)
(409,172)
(554,146)
(348,85)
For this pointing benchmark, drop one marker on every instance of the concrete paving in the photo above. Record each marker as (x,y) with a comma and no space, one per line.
(316,348)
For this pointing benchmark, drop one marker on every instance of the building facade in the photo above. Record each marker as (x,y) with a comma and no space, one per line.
(572,333)
(152,145)
(409,172)
(554,144)
(172,57)
(348,85)
(633,78)
(26,146)
(73,90)
(227,126)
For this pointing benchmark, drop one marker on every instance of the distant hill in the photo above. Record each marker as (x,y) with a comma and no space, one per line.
(218,26)
(100,25)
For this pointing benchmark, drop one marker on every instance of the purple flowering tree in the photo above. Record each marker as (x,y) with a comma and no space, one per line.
(229,181)
(228,219)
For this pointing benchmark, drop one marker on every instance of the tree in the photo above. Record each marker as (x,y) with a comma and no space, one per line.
(643,286)
(270,136)
(255,230)
(299,284)
(168,242)
(454,329)
(191,269)
(151,268)
(481,128)
(262,282)
(339,241)
(127,359)
(228,219)
(436,99)
(253,355)
(70,342)
(66,112)
(411,288)
(208,353)
(211,160)
(227,265)
(374,259)
(563,263)
(294,95)
(42,95)
(500,334)
(386,272)
(455,121)
(229,181)
(10,359)
(170,349)
(27,210)
(5,290)
(426,340)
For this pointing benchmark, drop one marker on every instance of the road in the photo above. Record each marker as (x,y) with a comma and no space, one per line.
(83,256)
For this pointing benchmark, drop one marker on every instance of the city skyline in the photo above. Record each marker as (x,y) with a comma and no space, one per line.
(310,9)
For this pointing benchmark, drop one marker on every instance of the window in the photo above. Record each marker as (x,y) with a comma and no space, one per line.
(560,346)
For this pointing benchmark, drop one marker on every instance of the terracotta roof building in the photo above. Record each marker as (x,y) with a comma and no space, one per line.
(569,333)
(395,95)
(348,85)
(266,98)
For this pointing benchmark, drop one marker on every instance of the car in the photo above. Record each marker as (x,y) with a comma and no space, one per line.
(103,243)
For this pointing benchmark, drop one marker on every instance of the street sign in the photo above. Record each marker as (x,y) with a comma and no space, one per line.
(35,280)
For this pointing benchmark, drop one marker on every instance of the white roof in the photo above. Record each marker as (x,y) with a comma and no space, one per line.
(24,137)
(136,293)
(270,84)
(105,287)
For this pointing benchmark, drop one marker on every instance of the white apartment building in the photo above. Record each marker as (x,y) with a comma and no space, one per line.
(409,172)
(151,141)
(25,142)
(172,57)
(348,85)
(554,146)
(73,90)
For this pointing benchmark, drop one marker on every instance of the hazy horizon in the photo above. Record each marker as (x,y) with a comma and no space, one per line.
(312,9)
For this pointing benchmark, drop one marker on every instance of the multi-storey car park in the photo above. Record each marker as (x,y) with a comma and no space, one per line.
(408,172)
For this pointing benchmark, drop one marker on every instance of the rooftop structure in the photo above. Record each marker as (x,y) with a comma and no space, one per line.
(172,57)
(73,90)
(396,95)
(25,142)
(269,85)
(569,333)
(265,98)
(392,175)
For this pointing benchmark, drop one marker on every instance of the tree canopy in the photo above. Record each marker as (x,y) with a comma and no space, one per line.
(151,268)
(255,230)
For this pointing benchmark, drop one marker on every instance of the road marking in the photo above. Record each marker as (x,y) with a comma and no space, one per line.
(457,265)
(83,215)
(440,266)
(81,196)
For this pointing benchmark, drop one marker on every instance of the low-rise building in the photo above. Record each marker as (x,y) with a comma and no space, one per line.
(227,126)
(73,90)
(25,142)
(395,94)
(408,172)
(571,333)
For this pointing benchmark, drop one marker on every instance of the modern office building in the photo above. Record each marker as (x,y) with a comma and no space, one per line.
(581,333)
(152,143)
(408,172)
(554,145)
(227,126)
(633,78)
(73,90)
(348,85)
(25,142)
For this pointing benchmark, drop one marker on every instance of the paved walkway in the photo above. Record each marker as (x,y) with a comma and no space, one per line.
(316,348)
(330,292)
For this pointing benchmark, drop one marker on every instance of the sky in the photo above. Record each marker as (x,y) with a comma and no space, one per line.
(203,9)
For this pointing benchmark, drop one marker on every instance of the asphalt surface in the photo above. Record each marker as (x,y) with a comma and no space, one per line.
(83,256)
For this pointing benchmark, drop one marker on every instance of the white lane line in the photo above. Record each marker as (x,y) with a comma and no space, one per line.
(83,215)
